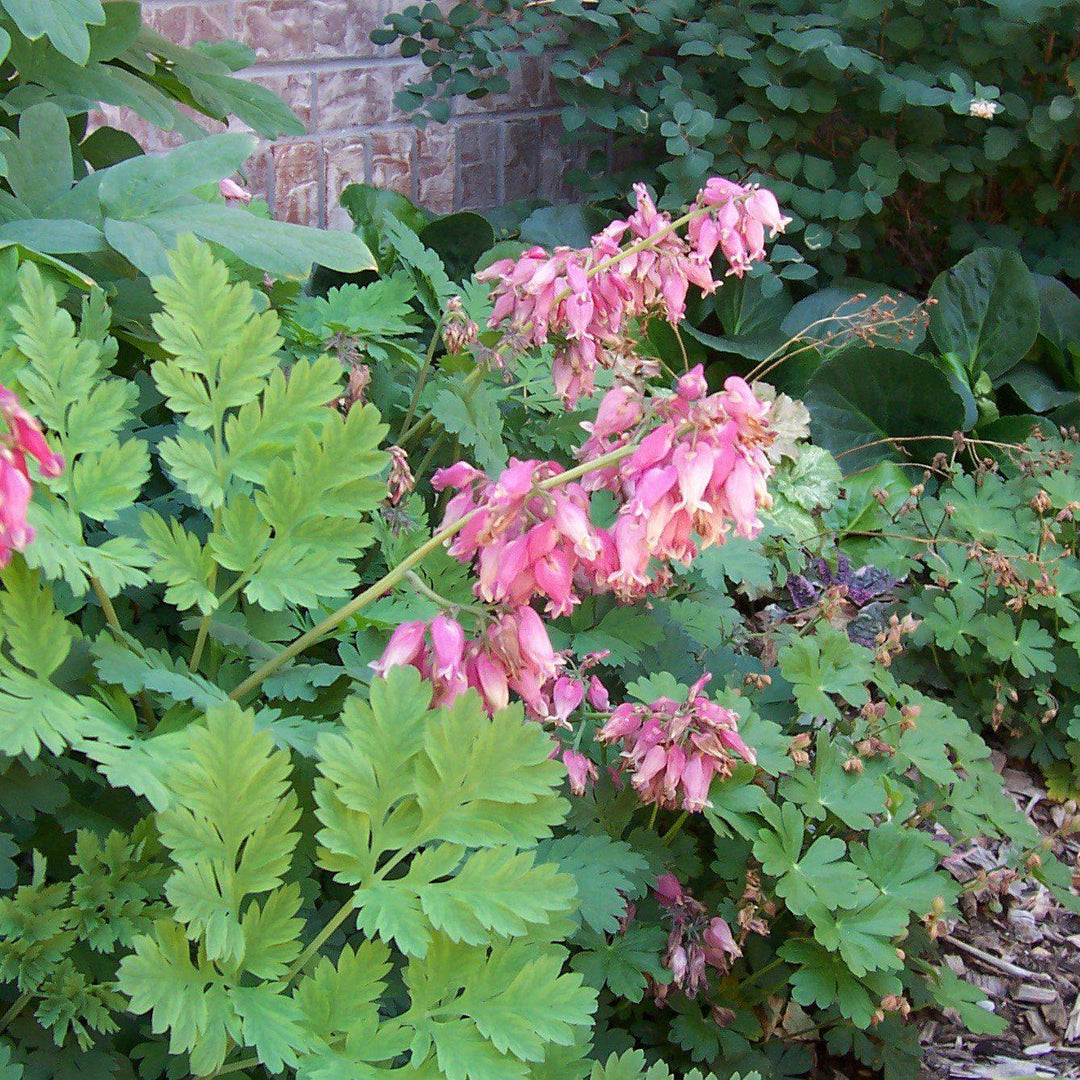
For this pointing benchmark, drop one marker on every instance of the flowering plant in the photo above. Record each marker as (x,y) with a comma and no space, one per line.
(342,752)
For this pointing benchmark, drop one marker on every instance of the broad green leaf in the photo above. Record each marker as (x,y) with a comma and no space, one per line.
(865,396)
(160,978)
(180,562)
(864,936)
(64,22)
(823,979)
(825,664)
(987,311)
(813,882)
(901,863)
(622,962)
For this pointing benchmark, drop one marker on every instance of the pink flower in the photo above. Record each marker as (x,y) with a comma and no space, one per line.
(232,192)
(22,439)
(401,480)
(761,205)
(15,491)
(719,945)
(696,779)
(567,695)
(527,542)
(694,940)
(620,409)
(585,299)
(25,438)
(404,648)
(672,751)
(598,695)
(692,385)
(580,771)
(669,891)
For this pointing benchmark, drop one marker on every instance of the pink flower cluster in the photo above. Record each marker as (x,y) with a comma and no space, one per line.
(23,438)
(527,542)
(512,653)
(693,941)
(585,297)
(674,750)
(702,469)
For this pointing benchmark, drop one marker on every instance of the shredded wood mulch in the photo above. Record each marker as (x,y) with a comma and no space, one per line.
(1021,947)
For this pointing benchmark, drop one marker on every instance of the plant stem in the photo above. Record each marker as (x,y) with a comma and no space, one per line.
(321,938)
(424,589)
(234,1067)
(114,624)
(760,972)
(673,831)
(421,378)
(421,426)
(16,1008)
(106,605)
(392,577)
(435,447)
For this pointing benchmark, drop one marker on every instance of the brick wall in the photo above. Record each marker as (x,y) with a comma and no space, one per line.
(318,56)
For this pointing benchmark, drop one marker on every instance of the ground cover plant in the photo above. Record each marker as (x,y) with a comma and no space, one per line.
(899,135)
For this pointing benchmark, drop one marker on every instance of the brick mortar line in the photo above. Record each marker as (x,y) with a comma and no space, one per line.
(314,65)
(511,115)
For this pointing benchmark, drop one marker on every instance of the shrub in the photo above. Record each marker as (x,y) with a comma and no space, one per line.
(232,846)
(90,203)
(900,135)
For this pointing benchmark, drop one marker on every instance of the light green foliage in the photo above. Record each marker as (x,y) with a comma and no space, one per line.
(48,931)
(283,478)
(1006,619)
(467,924)
(375,321)
(63,374)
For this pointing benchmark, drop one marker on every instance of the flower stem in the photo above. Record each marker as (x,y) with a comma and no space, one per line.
(392,577)
(418,583)
(346,611)
(673,831)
